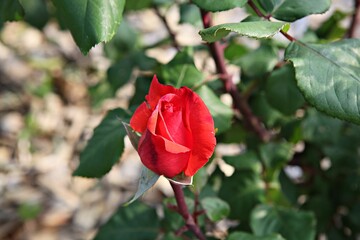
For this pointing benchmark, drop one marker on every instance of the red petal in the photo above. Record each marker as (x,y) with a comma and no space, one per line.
(162,156)
(203,134)
(173,113)
(156,91)
(139,120)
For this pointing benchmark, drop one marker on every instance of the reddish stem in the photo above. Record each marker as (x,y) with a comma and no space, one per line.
(355,19)
(239,102)
(183,210)
(257,11)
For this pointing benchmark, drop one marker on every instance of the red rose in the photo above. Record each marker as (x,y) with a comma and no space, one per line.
(177,130)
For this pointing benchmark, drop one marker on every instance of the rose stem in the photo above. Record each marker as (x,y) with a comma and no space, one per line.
(183,210)
(171,33)
(355,19)
(240,103)
(260,14)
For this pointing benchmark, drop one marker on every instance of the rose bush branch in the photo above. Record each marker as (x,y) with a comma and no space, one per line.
(171,33)
(240,103)
(355,19)
(183,210)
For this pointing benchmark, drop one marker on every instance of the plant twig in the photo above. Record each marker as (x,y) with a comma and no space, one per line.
(354,20)
(171,33)
(260,14)
(257,11)
(183,210)
(240,103)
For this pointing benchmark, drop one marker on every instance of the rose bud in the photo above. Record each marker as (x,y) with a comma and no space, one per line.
(177,130)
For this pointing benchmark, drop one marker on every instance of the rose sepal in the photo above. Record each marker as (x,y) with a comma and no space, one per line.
(182,179)
(134,137)
(147,177)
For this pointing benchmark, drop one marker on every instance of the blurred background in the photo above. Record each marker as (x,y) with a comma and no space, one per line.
(51,98)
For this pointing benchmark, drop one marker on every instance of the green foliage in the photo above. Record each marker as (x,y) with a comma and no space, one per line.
(181,71)
(282,92)
(289,10)
(10,10)
(245,186)
(215,6)
(275,155)
(119,73)
(258,62)
(247,236)
(262,108)
(82,18)
(136,221)
(327,75)
(37,13)
(291,224)
(331,29)
(256,29)
(105,146)
(189,13)
(215,208)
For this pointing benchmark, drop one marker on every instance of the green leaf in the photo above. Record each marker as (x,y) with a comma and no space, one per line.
(245,161)
(234,51)
(100,92)
(163,2)
(215,208)
(328,76)
(258,29)
(319,128)
(142,86)
(258,62)
(282,92)
(245,186)
(216,5)
(123,43)
(137,5)
(322,207)
(136,221)
(291,10)
(247,236)
(200,179)
(291,131)
(146,181)
(290,223)
(189,13)
(332,28)
(181,71)
(10,10)
(105,147)
(264,111)
(119,73)
(275,154)
(36,12)
(90,21)
(172,236)
(221,113)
